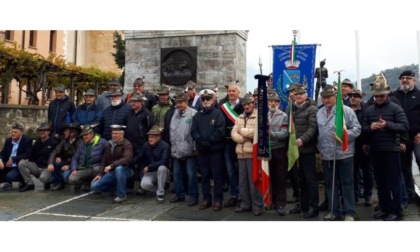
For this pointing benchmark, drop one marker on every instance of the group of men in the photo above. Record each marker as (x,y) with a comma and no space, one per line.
(194,133)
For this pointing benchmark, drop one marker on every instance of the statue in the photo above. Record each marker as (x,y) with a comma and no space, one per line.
(321,74)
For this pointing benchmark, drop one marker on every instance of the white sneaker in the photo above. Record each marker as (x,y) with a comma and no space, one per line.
(119,200)
(5,186)
(348,218)
(160,198)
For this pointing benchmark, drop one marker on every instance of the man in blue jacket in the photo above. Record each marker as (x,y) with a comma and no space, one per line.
(154,158)
(88,113)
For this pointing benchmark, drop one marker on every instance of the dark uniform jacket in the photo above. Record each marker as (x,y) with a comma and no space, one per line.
(389,138)
(42,150)
(410,103)
(138,124)
(114,115)
(60,113)
(153,157)
(208,130)
(306,126)
(65,150)
(24,150)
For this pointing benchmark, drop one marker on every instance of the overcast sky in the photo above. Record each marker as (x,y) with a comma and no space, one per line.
(378,50)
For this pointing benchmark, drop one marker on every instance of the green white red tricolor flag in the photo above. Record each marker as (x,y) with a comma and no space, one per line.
(340,121)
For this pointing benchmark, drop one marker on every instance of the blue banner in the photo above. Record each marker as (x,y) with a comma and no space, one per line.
(296,66)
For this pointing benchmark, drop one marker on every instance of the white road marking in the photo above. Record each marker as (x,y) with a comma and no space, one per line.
(48,207)
(89,217)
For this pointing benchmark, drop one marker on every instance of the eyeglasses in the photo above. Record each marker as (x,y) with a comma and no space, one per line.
(354,96)
(406,78)
(205,99)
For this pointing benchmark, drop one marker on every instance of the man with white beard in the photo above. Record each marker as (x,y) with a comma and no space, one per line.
(117,113)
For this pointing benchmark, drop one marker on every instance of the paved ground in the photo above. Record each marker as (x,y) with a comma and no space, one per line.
(65,205)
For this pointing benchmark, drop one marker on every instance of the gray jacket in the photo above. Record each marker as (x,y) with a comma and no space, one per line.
(182,143)
(278,127)
(326,128)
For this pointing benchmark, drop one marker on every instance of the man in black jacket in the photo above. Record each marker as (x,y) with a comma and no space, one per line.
(409,97)
(60,111)
(38,162)
(383,125)
(16,148)
(208,131)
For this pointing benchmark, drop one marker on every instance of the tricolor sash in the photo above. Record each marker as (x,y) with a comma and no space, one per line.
(228,110)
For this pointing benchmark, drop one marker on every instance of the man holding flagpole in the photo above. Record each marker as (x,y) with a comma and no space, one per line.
(303,112)
(338,128)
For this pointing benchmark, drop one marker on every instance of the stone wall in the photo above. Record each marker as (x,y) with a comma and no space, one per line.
(29,116)
(221,56)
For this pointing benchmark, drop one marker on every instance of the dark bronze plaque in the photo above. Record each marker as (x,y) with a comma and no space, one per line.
(178,65)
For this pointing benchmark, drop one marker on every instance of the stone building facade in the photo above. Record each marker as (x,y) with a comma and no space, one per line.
(220,58)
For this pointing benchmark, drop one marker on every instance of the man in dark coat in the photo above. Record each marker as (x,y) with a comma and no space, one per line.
(383,125)
(208,132)
(60,111)
(88,113)
(16,148)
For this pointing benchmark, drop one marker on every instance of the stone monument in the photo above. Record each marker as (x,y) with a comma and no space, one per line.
(210,58)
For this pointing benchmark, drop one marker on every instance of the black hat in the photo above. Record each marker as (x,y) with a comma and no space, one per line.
(44,126)
(17,126)
(73,125)
(117,127)
(408,73)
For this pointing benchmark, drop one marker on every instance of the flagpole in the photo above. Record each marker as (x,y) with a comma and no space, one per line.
(359,80)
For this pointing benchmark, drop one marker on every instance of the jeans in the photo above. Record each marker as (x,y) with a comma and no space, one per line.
(406,168)
(343,177)
(60,177)
(180,166)
(231,167)
(13,175)
(116,178)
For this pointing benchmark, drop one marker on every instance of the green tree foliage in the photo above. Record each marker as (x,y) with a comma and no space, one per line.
(392,77)
(119,55)
(33,71)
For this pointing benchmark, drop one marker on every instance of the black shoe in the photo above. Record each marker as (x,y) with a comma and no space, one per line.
(295,210)
(377,208)
(192,202)
(292,200)
(176,199)
(47,186)
(22,185)
(27,188)
(311,213)
(232,202)
(57,187)
(393,217)
(380,216)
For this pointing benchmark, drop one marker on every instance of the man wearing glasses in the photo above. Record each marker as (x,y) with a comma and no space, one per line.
(384,125)
(409,97)
(208,132)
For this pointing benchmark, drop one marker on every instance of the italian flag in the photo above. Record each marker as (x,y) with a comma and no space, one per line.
(340,120)
(260,172)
